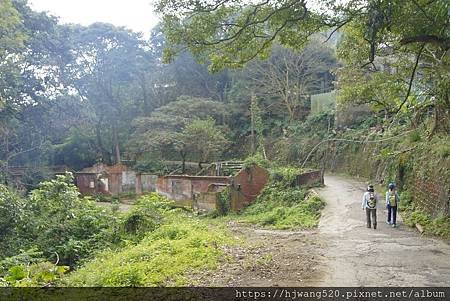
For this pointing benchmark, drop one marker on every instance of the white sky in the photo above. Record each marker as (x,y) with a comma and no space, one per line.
(137,15)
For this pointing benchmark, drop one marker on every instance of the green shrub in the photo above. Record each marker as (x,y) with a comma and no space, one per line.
(414,136)
(224,202)
(163,258)
(146,216)
(439,227)
(24,258)
(418,217)
(256,159)
(29,268)
(34,275)
(405,198)
(282,205)
(55,220)
(284,176)
(12,221)
(106,198)
(444,150)
(282,208)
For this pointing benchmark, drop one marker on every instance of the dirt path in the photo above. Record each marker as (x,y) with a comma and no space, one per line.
(268,258)
(358,256)
(341,252)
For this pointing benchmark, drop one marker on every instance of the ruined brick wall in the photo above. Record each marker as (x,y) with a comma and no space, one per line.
(247,185)
(115,183)
(128,181)
(176,189)
(86,183)
(310,178)
(90,184)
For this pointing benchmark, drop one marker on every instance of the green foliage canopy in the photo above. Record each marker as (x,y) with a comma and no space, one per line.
(228,34)
(202,140)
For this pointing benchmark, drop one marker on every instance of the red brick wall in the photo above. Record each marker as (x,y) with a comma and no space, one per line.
(247,185)
(83,181)
(115,183)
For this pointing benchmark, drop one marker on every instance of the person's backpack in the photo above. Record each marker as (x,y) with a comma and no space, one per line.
(372,202)
(392,199)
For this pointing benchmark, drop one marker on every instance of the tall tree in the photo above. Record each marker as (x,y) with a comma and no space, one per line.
(104,69)
(202,140)
(397,58)
(229,34)
(30,51)
(413,34)
(288,78)
(160,132)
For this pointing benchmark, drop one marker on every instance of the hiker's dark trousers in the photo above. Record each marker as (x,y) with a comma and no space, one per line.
(392,212)
(373,213)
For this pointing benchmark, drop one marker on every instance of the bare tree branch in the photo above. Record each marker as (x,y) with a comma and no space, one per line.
(411,79)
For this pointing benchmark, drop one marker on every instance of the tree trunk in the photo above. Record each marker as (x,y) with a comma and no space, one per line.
(106,158)
(183,161)
(325,160)
(145,96)
(116,145)
(252,124)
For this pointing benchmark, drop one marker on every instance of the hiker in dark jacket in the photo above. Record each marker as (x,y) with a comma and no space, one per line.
(369,203)
(392,202)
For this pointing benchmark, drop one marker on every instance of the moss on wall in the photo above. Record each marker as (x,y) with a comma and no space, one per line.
(418,166)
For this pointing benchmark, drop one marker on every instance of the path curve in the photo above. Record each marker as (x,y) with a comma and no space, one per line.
(357,256)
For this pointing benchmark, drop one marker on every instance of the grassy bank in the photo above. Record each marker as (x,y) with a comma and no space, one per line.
(412,215)
(183,244)
(282,205)
(274,210)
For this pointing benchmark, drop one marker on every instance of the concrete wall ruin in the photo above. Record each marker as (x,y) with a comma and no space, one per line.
(181,187)
(200,192)
(113,180)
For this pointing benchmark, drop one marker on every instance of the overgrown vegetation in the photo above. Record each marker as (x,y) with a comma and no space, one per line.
(223,203)
(412,215)
(163,258)
(256,159)
(107,97)
(57,221)
(283,205)
(289,209)
(54,231)
(51,230)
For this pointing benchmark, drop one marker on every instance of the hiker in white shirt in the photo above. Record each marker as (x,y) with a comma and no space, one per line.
(369,203)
